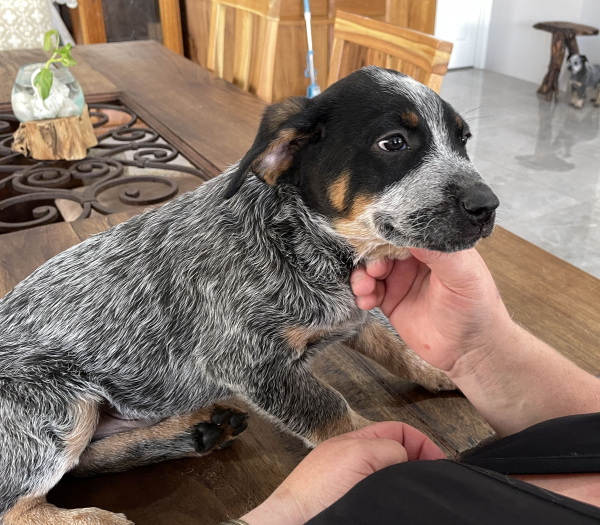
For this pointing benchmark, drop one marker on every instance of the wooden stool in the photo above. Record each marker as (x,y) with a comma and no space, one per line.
(563,34)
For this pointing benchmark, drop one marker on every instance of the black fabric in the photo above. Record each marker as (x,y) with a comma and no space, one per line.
(565,445)
(463,493)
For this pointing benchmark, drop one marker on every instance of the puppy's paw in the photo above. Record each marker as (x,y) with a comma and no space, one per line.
(220,430)
(435,380)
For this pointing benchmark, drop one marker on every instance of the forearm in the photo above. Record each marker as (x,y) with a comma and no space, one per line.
(523,381)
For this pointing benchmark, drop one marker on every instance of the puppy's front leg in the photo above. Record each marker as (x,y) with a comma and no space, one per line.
(378,340)
(292,395)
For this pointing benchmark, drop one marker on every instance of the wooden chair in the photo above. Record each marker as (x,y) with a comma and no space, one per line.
(89,28)
(256,27)
(360,41)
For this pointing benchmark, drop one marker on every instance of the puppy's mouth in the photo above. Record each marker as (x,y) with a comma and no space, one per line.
(439,234)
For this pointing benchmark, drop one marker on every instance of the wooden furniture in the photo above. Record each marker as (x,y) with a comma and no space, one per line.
(213,123)
(360,41)
(563,35)
(253,46)
(56,139)
(290,50)
(89,26)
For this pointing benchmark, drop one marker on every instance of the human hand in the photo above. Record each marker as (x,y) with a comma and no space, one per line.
(337,465)
(443,305)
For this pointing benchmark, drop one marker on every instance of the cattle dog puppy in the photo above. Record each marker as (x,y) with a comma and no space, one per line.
(113,353)
(583,76)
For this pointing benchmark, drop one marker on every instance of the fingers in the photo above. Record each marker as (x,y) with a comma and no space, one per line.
(380,269)
(417,445)
(368,283)
(362,283)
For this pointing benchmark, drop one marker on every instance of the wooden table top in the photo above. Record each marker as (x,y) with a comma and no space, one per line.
(566,27)
(554,300)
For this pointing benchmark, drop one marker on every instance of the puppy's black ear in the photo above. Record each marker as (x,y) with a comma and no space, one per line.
(583,58)
(284,129)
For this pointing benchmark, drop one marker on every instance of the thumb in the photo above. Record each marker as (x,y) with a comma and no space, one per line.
(458,270)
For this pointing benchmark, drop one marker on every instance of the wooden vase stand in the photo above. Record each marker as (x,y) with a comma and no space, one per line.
(66,138)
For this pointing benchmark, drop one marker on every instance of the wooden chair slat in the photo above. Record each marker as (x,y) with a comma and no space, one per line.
(267,8)
(418,55)
(243,48)
(255,39)
(376,58)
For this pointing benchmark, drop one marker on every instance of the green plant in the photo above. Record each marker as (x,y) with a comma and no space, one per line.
(43,80)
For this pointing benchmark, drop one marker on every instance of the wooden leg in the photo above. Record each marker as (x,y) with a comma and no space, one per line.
(549,86)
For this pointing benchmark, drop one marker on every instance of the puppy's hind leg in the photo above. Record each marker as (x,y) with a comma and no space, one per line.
(43,430)
(378,340)
(195,434)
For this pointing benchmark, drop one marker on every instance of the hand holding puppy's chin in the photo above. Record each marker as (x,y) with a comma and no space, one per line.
(443,305)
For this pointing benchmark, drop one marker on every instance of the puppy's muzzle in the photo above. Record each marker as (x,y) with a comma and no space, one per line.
(479,204)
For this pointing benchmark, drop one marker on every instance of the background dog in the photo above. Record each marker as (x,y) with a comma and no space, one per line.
(231,290)
(583,75)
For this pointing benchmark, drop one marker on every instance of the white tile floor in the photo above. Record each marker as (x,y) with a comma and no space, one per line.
(542,159)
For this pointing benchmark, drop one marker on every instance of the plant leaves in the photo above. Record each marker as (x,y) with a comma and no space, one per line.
(67,62)
(48,44)
(65,56)
(43,82)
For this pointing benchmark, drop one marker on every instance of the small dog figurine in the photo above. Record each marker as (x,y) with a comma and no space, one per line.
(583,76)
(113,352)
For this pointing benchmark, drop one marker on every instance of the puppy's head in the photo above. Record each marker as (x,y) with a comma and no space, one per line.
(575,63)
(382,158)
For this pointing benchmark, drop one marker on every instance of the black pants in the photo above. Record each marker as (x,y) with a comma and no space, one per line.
(476,489)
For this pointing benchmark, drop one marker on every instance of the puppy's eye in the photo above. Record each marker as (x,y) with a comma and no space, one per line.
(394,143)
(465,138)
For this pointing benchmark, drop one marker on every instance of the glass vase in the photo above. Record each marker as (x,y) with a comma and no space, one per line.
(65,99)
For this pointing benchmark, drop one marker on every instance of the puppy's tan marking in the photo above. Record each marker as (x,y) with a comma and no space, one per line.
(351,421)
(120,452)
(36,511)
(459,121)
(338,191)
(368,243)
(299,337)
(410,118)
(86,420)
(276,157)
(379,343)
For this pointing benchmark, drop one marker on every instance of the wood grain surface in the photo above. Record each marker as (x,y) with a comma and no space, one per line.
(213,117)
(290,61)
(359,41)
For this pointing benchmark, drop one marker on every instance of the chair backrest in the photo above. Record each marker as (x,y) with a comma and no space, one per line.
(255,33)
(360,41)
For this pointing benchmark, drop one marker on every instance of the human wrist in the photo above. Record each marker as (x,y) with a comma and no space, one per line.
(472,362)
(281,508)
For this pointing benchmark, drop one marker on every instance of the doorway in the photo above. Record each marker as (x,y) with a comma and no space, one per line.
(466,24)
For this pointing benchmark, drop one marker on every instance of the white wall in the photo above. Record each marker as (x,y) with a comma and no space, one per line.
(518,50)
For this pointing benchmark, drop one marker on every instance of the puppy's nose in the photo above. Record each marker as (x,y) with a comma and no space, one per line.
(479,203)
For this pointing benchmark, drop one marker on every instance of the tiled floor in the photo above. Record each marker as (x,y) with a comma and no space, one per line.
(541,159)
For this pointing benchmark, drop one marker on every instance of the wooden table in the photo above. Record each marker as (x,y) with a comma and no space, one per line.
(216,123)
